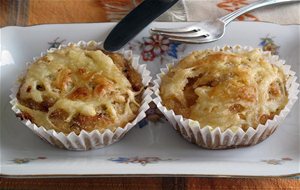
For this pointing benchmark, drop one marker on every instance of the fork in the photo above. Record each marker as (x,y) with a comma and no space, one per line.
(211,30)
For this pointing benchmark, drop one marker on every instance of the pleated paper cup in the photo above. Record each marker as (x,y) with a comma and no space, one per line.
(213,137)
(94,139)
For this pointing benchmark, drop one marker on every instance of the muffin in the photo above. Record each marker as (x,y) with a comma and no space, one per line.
(81,89)
(226,94)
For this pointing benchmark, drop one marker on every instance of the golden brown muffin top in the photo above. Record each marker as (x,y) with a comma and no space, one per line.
(226,90)
(74,89)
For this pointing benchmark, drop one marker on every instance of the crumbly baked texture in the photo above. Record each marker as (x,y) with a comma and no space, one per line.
(226,90)
(73,89)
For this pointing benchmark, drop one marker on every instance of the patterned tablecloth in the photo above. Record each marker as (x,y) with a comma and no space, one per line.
(198,10)
(31,12)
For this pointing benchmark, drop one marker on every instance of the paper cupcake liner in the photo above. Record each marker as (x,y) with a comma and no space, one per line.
(214,138)
(94,139)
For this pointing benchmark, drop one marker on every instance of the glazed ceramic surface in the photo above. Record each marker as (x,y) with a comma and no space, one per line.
(152,147)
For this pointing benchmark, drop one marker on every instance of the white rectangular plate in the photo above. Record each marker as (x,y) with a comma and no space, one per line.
(155,148)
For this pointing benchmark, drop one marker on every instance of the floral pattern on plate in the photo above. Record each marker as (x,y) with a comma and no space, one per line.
(153,114)
(55,43)
(27,160)
(139,160)
(156,47)
(267,43)
(277,161)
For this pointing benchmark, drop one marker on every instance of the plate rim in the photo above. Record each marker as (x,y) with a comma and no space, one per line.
(154,22)
(7,175)
(144,175)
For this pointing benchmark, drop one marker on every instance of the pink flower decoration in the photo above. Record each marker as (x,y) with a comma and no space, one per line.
(154,46)
(148,55)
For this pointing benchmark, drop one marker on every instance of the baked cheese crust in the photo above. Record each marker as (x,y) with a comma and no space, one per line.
(74,89)
(226,90)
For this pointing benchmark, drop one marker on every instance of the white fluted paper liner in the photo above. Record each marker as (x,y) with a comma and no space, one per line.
(215,138)
(95,139)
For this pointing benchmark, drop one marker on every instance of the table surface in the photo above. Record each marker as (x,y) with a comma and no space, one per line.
(32,12)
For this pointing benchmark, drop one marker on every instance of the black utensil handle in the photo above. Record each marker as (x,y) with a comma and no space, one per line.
(135,21)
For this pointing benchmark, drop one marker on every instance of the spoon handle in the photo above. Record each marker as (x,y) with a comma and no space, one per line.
(135,21)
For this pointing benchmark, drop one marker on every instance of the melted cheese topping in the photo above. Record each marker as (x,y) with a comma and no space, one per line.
(73,83)
(226,90)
